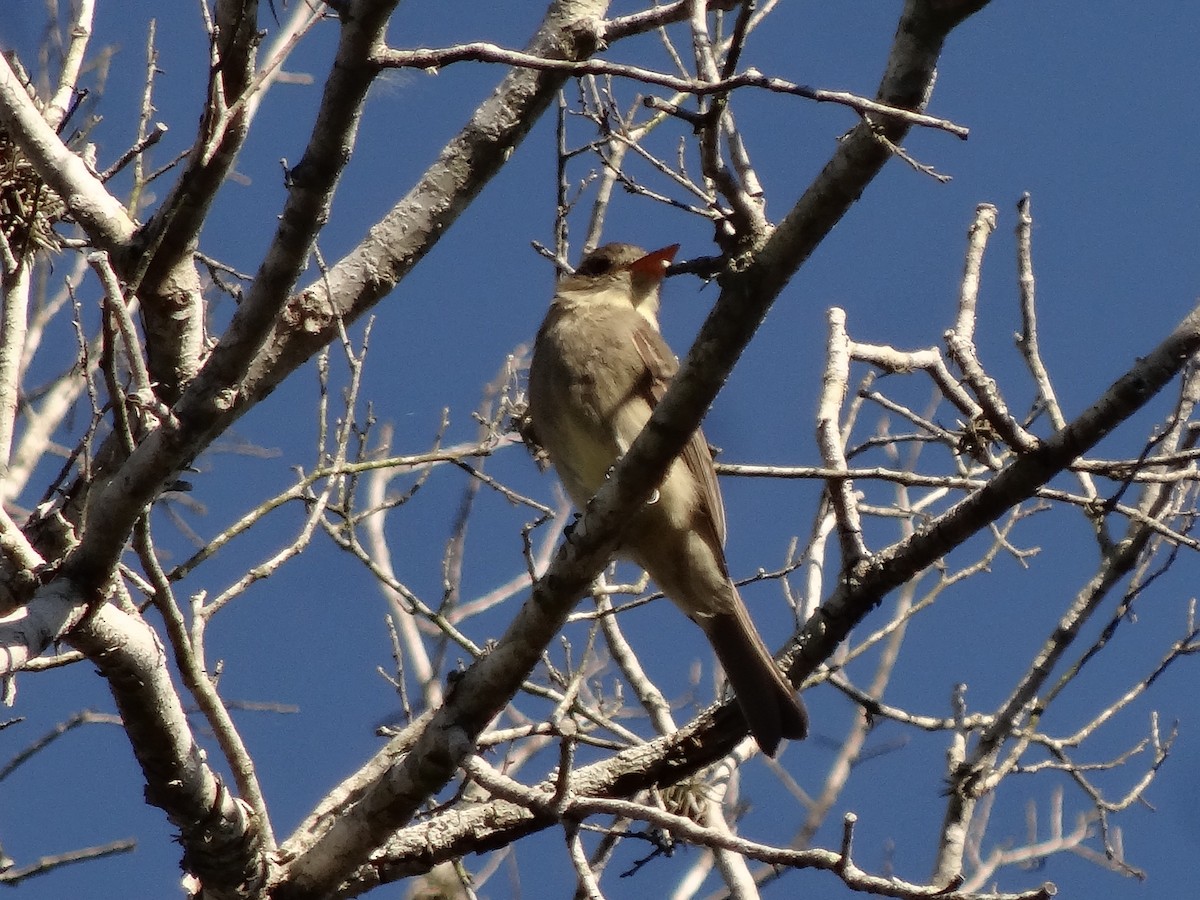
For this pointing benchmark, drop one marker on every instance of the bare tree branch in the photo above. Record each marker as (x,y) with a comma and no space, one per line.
(100,214)
(433,59)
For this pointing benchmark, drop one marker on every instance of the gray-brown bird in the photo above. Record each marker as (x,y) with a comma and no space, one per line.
(599,368)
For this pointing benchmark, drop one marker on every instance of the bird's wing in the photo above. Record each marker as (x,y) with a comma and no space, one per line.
(661,367)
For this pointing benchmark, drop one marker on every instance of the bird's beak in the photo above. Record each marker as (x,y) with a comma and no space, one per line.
(654,265)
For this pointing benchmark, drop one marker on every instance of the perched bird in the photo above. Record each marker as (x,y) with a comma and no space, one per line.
(599,368)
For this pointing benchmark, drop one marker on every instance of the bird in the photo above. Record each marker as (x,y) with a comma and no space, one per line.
(599,367)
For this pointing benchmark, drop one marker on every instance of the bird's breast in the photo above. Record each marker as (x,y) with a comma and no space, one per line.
(582,381)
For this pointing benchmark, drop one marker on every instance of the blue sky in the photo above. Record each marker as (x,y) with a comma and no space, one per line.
(1090,107)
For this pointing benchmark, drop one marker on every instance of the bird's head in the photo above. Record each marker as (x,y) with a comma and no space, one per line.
(620,273)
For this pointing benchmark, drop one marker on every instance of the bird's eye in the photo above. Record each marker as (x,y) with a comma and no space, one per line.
(594,265)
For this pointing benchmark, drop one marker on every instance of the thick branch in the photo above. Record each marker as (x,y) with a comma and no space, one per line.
(161,265)
(97,211)
(221,841)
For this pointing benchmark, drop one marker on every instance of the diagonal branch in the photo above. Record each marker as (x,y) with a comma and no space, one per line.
(222,839)
(97,211)
(388,795)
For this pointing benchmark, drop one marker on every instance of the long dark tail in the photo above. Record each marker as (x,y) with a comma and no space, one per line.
(767,700)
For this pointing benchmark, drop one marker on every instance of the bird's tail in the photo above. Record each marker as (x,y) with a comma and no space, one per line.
(767,700)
